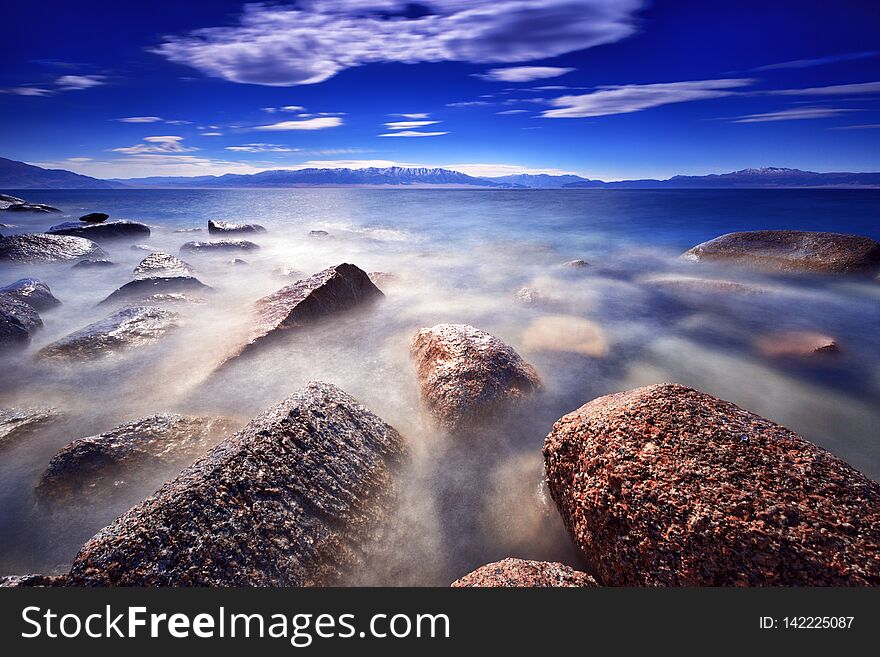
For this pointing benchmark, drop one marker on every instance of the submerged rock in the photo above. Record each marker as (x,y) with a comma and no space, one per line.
(18,322)
(576,264)
(565,333)
(467,375)
(143,247)
(229,227)
(93,264)
(219,246)
(127,329)
(331,291)
(520,573)
(16,423)
(692,287)
(95,217)
(31,291)
(129,456)
(162,264)
(289,272)
(24,206)
(792,250)
(666,485)
(6,200)
(40,247)
(318,233)
(141,288)
(529,296)
(287,501)
(101,231)
(797,344)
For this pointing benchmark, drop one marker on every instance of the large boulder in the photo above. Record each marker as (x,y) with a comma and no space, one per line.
(467,375)
(143,288)
(130,456)
(162,264)
(331,291)
(231,228)
(287,501)
(219,246)
(18,322)
(31,291)
(666,485)
(130,328)
(18,422)
(792,250)
(520,573)
(95,217)
(40,247)
(111,230)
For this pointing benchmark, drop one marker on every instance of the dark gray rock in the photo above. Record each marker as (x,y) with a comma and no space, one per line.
(127,329)
(29,207)
(287,501)
(157,285)
(18,322)
(33,292)
(6,200)
(17,423)
(39,247)
(93,264)
(95,217)
(218,246)
(318,233)
(227,227)
(112,230)
(162,264)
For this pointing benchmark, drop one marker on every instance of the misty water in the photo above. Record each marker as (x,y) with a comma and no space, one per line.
(457,256)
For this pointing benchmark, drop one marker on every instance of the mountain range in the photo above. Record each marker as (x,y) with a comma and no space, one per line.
(20,176)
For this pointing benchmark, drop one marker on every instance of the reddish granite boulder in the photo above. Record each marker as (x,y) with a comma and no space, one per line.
(519,573)
(792,250)
(466,375)
(666,485)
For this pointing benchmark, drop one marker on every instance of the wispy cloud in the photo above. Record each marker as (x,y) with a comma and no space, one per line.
(285,108)
(261,148)
(522,73)
(161,144)
(28,91)
(469,103)
(416,115)
(211,134)
(309,42)
(413,133)
(406,125)
(864,126)
(833,90)
(140,119)
(794,114)
(78,82)
(319,123)
(514,111)
(819,61)
(636,97)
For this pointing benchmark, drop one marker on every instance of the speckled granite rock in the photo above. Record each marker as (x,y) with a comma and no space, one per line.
(18,422)
(467,375)
(284,502)
(331,291)
(27,581)
(31,291)
(128,455)
(143,288)
(127,329)
(112,230)
(666,485)
(219,246)
(40,247)
(792,250)
(229,227)
(162,264)
(18,322)
(519,573)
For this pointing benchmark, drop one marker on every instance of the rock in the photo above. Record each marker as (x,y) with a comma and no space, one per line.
(127,329)
(238,262)
(691,286)
(39,247)
(129,456)
(93,264)
(170,297)
(33,292)
(6,200)
(95,217)
(162,264)
(223,246)
(18,322)
(29,207)
(27,581)
(576,264)
(529,296)
(287,501)
(669,486)
(520,573)
(16,423)
(318,233)
(188,230)
(142,288)
(792,250)
(228,227)
(565,333)
(796,344)
(467,375)
(289,272)
(327,293)
(381,278)
(110,231)
(143,247)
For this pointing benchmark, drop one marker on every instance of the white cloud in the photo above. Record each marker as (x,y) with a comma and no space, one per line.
(28,91)
(796,113)
(314,40)
(406,125)
(805,63)
(293,108)
(211,134)
(864,126)
(636,97)
(413,133)
(261,148)
(140,119)
(514,111)
(77,82)
(307,124)
(163,144)
(417,115)
(469,103)
(78,159)
(523,73)
(833,90)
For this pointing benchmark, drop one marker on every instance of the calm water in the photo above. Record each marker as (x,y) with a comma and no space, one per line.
(457,256)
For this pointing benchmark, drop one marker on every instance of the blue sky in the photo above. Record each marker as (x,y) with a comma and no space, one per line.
(604,88)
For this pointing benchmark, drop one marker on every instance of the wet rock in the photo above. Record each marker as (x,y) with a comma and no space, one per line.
(102,231)
(576,264)
(6,200)
(796,345)
(289,272)
(127,329)
(238,262)
(33,292)
(29,207)
(218,246)
(692,286)
(27,581)
(529,296)
(143,247)
(467,375)
(95,217)
(792,250)
(318,233)
(93,264)
(39,247)
(142,288)
(18,322)
(327,293)
(162,264)
(565,333)
(229,227)
(170,297)
(188,230)
(287,501)
(519,573)
(666,485)
(16,423)
(130,456)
